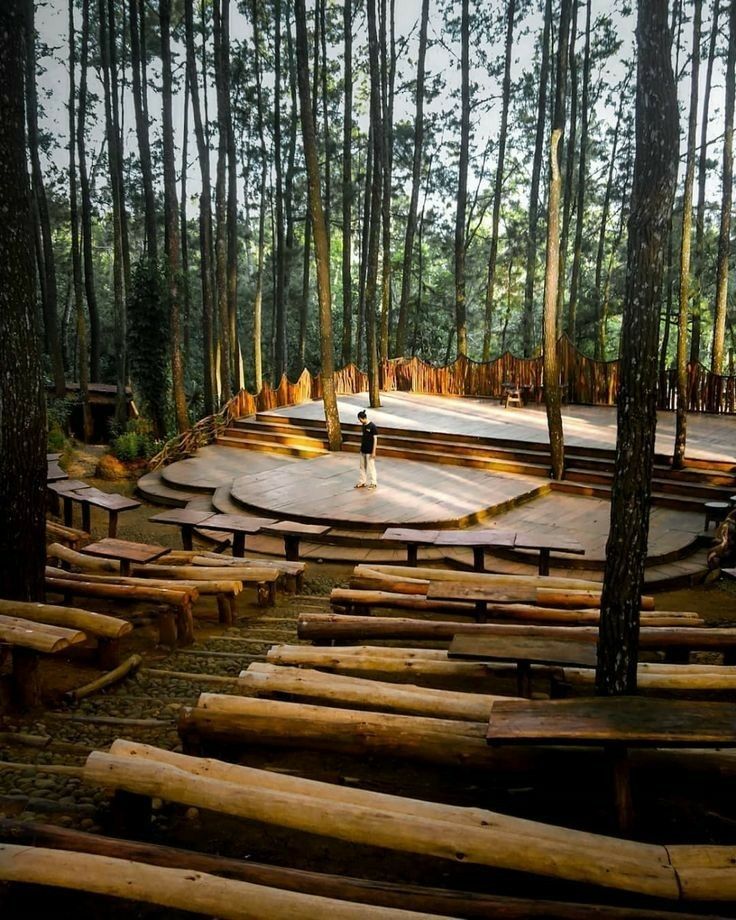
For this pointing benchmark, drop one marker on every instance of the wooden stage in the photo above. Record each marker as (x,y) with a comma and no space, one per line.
(708,436)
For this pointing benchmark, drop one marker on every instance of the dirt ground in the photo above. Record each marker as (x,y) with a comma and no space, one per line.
(566,788)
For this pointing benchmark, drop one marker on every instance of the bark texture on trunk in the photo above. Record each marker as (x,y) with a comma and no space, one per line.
(22,405)
(655,176)
(461,320)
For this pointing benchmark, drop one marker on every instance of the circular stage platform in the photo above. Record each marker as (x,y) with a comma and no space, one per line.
(322,490)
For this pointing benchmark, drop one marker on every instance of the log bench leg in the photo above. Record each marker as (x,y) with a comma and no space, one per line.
(108,653)
(233,607)
(224,612)
(412,551)
(68,512)
(26,684)
(729,656)
(185,625)
(620,774)
(86,517)
(544,561)
(186,536)
(524,679)
(677,655)
(479,559)
(266,593)
(167,628)
(112,524)
(53,502)
(130,815)
(481,611)
(291,548)
(239,544)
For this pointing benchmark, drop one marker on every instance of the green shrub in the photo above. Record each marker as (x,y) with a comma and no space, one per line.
(56,441)
(136,442)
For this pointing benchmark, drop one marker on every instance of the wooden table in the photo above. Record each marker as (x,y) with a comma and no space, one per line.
(238,525)
(616,723)
(293,532)
(126,552)
(481,594)
(184,518)
(525,651)
(545,545)
(413,538)
(478,540)
(108,501)
(60,490)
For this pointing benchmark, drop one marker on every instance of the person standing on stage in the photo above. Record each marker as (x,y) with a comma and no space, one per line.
(368,444)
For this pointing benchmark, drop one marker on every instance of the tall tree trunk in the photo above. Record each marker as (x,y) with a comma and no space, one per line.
(76,253)
(567,166)
(118,111)
(531,247)
(388,72)
(184,224)
(236,362)
(702,176)
(678,458)
(22,406)
(118,271)
(258,296)
(48,263)
(221,12)
(551,372)
(364,247)
(141,126)
(281,355)
(572,306)
(205,217)
(376,190)
(293,122)
(655,177)
(321,241)
(89,277)
(498,186)
(600,349)
(724,236)
(347,187)
(461,322)
(171,208)
(416,175)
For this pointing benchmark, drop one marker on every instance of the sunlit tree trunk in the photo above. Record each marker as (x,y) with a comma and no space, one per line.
(118,270)
(374,229)
(347,185)
(171,208)
(678,459)
(461,324)
(137,23)
(221,12)
(567,164)
(416,175)
(76,253)
(281,356)
(531,247)
(388,73)
(600,346)
(724,236)
(364,247)
(572,305)
(551,371)
(205,217)
(84,190)
(702,176)
(258,295)
(321,239)
(47,266)
(655,177)
(498,186)
(22,406)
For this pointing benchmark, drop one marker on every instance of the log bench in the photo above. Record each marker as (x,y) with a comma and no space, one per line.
(675,641)
(292,572)
(477,836)
(682,678)
(21,643)
(262,577)
(174,606)
(60,492)
(70,536)
(106,630)
(224,590)
(615,723)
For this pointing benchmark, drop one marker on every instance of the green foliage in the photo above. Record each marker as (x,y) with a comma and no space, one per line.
(136,442)
(148,341)
(58,412)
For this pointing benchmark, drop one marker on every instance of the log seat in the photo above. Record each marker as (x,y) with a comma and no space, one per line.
(70,536)
(106,630)
(21,643)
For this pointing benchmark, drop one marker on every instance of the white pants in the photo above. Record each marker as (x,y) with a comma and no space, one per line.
(367,470)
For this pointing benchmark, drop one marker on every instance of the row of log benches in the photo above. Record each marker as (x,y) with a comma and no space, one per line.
(169,591)
(356,700)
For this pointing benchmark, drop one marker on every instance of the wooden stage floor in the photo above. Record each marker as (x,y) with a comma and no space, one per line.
(708,436)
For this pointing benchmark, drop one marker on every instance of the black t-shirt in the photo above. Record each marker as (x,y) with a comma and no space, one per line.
(368,438)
